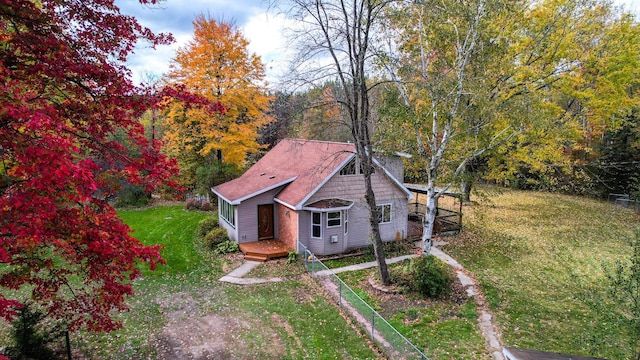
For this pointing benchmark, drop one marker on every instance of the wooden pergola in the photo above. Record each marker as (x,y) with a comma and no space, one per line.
(448,221)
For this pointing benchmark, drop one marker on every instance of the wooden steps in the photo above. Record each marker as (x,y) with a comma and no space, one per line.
(260,258)
(264,250)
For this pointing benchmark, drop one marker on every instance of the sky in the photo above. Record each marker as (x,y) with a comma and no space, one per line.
(262,27)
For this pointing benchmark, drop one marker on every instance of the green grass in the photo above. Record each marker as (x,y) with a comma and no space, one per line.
(278,268)
(391,249)
(539,258)
(442,329)
(287,320)
(174,229)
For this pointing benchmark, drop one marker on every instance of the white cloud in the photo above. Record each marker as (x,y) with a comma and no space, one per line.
(176,16)
(265,34)
(264,30)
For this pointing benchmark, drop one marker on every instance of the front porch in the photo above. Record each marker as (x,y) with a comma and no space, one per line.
(264,250)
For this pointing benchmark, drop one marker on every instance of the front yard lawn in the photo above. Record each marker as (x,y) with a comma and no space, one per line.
(181,310)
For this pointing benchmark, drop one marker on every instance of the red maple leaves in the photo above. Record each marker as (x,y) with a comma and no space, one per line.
(69,136)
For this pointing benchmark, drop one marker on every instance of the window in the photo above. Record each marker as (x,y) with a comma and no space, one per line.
(334,219)
(346,221)
(228,212)
(316,225)
(384,213)
(350,168)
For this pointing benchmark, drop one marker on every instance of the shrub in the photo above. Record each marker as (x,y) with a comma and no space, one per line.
(206,225)
(32,341)
(426,275)
(292,257)
(196,203)
(215,237)
(132,195)
(226,247)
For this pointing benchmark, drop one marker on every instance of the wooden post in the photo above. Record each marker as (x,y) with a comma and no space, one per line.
(460,215)
(67,340)
(373,319)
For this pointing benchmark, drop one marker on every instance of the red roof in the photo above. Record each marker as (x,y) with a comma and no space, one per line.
(302,164)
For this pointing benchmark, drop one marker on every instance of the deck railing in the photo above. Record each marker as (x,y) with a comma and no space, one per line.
(379,330)
(446,220)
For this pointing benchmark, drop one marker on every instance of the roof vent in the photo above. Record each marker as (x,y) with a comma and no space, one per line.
(272,177)
(262,174)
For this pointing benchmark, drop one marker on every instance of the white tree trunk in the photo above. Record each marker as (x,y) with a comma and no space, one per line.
(429,219)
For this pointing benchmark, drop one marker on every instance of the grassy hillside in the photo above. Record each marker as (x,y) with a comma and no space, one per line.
(540,260)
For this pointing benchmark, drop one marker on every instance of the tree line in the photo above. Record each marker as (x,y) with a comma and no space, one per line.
(528,95)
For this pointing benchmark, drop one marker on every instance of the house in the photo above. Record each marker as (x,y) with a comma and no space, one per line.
(313,191)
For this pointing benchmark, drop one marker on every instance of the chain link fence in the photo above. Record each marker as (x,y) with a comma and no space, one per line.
(379,330)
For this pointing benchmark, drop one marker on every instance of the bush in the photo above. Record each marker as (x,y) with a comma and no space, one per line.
(227,247)
(292,257)
(206,225)
(32,339)
(196,203)
(426,275)
(215,237)
(132,195)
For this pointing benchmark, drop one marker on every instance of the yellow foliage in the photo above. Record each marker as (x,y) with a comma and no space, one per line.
(217,65)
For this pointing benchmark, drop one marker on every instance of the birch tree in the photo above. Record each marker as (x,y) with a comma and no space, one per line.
(439,59)
(471,76)
(335,42)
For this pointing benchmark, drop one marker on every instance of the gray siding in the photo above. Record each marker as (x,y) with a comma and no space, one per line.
(397,229)
(247,216)
(352,188)
(304,228)
(323,245)
(359,228)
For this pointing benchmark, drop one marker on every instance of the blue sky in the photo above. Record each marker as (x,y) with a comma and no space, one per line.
(261,27)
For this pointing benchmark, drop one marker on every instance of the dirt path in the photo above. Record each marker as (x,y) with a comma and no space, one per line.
(487,328)
(189,334)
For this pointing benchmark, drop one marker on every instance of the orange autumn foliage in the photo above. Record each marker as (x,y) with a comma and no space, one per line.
(217,64)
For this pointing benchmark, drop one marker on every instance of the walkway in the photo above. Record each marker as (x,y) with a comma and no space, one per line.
(487,328)
(362,266)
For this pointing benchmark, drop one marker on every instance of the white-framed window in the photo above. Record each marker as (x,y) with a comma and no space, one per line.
(384,213)
(228,212)
(346,221)
(349,169)
(334,219)
(316,225)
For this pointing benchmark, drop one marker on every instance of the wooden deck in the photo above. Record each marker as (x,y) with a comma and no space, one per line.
(264,250)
